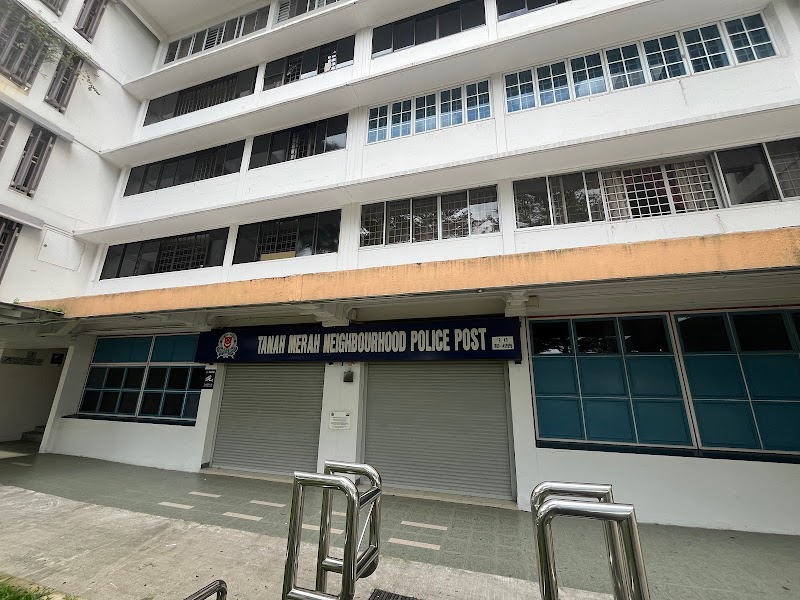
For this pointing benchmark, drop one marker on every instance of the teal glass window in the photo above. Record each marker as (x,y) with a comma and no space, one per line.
(743,371)
(153,377)
(610,380)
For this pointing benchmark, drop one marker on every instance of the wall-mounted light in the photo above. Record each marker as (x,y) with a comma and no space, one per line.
(348,377)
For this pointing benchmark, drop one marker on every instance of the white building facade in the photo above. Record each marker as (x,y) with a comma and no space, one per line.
(476,244)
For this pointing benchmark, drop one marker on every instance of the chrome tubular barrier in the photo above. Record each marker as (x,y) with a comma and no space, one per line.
(354,564)
(621,530)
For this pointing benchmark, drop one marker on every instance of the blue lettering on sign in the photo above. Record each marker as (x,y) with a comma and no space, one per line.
(474,339)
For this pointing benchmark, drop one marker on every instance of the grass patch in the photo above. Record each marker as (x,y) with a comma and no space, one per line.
(13,592)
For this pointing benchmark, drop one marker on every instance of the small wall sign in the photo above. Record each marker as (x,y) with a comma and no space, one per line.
(208,380)
(340,421)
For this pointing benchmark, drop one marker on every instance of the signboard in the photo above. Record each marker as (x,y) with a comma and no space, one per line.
(340,421)
(470,339)
(209,378)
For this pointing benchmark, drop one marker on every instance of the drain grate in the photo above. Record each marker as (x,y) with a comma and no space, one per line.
(381,595)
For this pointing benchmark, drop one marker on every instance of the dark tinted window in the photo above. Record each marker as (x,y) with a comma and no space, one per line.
(135,181)
(288,238)
(449,20)
(403,36)
(426,27)
(260,151)
(510,8)
(473,14)
(761,332)
(328,232)
(233,158)
(551,338)
(246,244)
(747,175)
(382,39)
(597,337)
(645,335)
(130,259)
(279,147)
(156,378)
(113,258)
(336,138)
(704,333)
(273,76)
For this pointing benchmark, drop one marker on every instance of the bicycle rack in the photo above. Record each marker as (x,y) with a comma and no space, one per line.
(354,564)
(621,530)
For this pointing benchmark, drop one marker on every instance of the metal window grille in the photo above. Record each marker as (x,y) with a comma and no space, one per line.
(478,104)
(455,215)
(398,221)
(588,75)
(425,217)
(302,142)
(372,224)
(278,237)
(294,65)
(691,186)
(328,57)
(64,80)
(750,38)
(34,158)
(204,166)
(8,119)
(785,156)
(519,91)
(452,107)
(553,83)
(378,124)
(204,96)
(706,48)
(425,118)
(183,253)
(625,67)
(664,58)
(9,232)
(401,118)
(21,52)
(89,18)
(636,193)
(57,6)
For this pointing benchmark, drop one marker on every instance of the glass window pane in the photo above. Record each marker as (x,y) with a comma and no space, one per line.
(173,405)
(108,402)
(134,378)
(645,335)
(510,8)
(473,14)
(97,376)
(595,195)
(372,224)
(425,28)
(197,378)
(484,211)
(191,405)
(747,175)
(178,378)
(785,157)
(597,337)
(328,224)
(114,377)
(551,337)
(704,333)
(761,332)
(382,39)
(569,199)
(532,204)
(449,20)
(455,215)
(398,221)
(336,134)
(128,402)
(425,215)
(135,179)
(151,403)
(89,402)
(403,34)
(156,378)
(246,244)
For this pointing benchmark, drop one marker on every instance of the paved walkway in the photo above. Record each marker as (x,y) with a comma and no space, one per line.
(682,563)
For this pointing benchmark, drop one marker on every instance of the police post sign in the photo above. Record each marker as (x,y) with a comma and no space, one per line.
(472,339)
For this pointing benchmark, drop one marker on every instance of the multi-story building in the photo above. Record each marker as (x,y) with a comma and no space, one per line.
(476,244)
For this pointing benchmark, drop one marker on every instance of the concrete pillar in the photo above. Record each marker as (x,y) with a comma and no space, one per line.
(70,387)
(347,397)
(522,424)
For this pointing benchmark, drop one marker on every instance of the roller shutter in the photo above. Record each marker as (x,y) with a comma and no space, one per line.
(440,427)
(270,417)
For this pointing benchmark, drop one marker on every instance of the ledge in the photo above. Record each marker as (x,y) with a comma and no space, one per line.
(117,419)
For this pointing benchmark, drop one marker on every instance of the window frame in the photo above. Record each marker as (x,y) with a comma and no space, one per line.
(57,6)
(31,168)
(11,229)
(19,41)
(8,122)
(735,58)
(63,83)
(88,21)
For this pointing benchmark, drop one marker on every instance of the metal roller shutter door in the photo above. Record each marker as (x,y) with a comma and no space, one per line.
(440,427)
(269,418)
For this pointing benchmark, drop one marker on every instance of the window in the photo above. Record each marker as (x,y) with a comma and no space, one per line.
(743,371)
(457,214)
(706,48)
(609,380)
(451,111)
(573,198)
(89,18)
(206,164)
(625,67)
(34,159)
(425,27)
(588,75)
(289,9)
(747,175)
(165,255)
(212,93)
(221,33)
(378,124)
(425,113)
(664,58)
(64,80)
(21,52)
(478,104)
(144,377)
(749,38)
(327,135)
(553,83)
(57,6)
(401,118)
(519,91)
(785,157)
(288,238)
(513,8)
(322,59)
(9,232)
(8,119)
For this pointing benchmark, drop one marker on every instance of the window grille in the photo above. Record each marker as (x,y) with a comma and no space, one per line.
(398,221)
(183,253)
(9,232)
(63,84)
(89,18)
(8,119)
(34,158)
(278,237)
(372,224)
(57,6)
(21,52)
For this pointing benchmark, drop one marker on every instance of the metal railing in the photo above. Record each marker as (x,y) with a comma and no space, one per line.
(219,589)
(625,559)
(355,563)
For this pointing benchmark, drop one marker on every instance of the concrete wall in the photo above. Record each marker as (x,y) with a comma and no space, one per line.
(28,393)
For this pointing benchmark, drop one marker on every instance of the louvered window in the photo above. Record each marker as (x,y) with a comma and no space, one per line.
(89,19)
(57,6)
(34,158)
(294,8)
(8,119)
(9,232)
(63,83)
(21,52)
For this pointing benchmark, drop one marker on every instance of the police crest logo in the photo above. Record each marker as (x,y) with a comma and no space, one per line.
(228,345)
